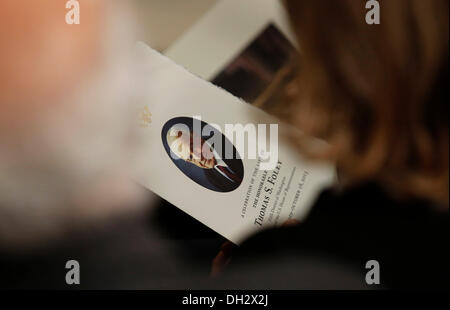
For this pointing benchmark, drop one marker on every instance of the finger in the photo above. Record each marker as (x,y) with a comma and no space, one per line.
(291,222)
(222,258)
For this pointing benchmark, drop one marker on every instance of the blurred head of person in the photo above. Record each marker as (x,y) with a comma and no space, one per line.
(66,126)
(377,93)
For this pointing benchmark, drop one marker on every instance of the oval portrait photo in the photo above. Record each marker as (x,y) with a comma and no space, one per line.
(203,154)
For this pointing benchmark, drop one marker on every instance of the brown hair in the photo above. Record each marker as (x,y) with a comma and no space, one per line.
(377,93)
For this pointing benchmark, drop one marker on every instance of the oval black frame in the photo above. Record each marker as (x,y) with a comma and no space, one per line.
(209,178)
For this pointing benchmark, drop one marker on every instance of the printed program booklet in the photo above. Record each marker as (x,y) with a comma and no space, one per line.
(235,196)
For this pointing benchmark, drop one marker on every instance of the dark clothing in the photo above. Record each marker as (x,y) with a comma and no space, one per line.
(328,250)
(141,251)
(343,231)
